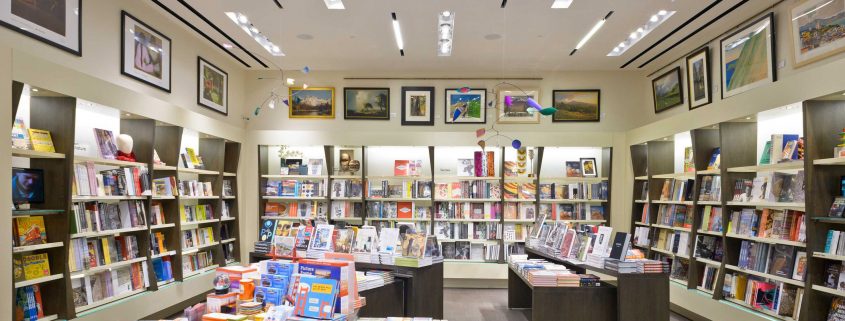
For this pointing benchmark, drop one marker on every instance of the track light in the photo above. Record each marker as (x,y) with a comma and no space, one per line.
(561,4)
(242,21)
(445,31)
(653,22)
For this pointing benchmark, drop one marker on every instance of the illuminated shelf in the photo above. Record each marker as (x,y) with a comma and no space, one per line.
(573,179)
(107,162)
(198,171)
(78,198)
(225,174)
(39,280)
(708,261)
(766,240)
(228,240)
(830,161)
(765,275)
(828,290)
(676,228)
(348,199)
(158,167)
(100,268)
(641,178)
(295,198)
(783,205)
(26,153)
(468,200)
(672,202)
(709,203)
(225,219)
(185,197)
(683,175)
(827,256)
(195,249)
(30,248)
(398,199)
(286,218)
(787,166)
(467,178)
(161,226)
(398,219)
(108,232)
(163,254)
(109,300)
(297,177)
(566,201)
(467,220)
(709,172)
(713,233)
(200,271)
(190,225)
(345,177)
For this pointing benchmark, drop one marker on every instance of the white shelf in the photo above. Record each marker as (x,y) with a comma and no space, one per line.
(520,200)
(161,226)
(108,232)
(786,166)
(567,201)
(468,240)
(26,153)
(468,200)
(659,250)
(164,167)
(295,198)
(198,171)
(398,199)
(512,179)
(783,205)
(641,178)
(709,203)
(828,290)
(466,219)
(194,224)
(583,221)
(703,289)
(285,218)
(297,177)
(199,271)
(39,280)
(682,175)
(30,248)
(761,311)
(228,197)
(708,261)
(518,220)
(79,198)
(192,250)
(398,219)
(710,172)
(672,202)
(830,161)
(765,275)
(828,256)
(713,233)
(766,240)
(399,177)
(165,282)
(348,199)
(228,240)
(101,268)
(641,224)
(641,201)
(226,219)
(187,197)
(345,177)
(163,254)
(466,178)
(676,228)
(107,162)
(573,179)
(170,197)
(109,300)
(227,174)
(345,218)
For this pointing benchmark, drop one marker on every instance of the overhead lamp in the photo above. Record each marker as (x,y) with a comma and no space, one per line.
(445,32)
(397,34)
(290,81)
(242,21)
(334,4)
(561,4)
(653,22)
(591,33)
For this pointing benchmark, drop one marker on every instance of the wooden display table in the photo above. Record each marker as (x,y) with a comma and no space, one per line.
(561,303)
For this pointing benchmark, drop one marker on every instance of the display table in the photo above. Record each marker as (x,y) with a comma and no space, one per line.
(384,300)
(638,296)
(561,303)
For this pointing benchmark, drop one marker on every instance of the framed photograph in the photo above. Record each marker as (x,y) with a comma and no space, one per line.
(588,167)
(748,57)
(417,106)
(576,105)
(573,169)
(472,105)
(145,54)
(57,23)
(311,102)
(366,103)
(212,87)
(667,91)
(817,30)
(698,78)
(517,112)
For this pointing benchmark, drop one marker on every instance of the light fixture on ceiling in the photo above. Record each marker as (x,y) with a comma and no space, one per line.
(397,33)
(653,22)
(561,4)
(242,21)
(228,45)
(35,89)
(591,33)
(290,81)
(334,4)
(445,32)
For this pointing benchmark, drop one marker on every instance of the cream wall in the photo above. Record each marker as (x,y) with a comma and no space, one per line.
(6,176)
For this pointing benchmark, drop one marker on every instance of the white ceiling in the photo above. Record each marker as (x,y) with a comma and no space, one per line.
(534,38)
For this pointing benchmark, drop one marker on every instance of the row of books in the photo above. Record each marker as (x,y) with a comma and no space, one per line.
(711,219)
(569,241)
(679,269)
(397,210)
(347,188)
(769,223)
(472,231)
(778,298)
(194,213)
(709,247)
(30,266)
(673,241)
(31,138)
(708,277)
(98,216)
(158,243)
(515,232)
(771,187)
(124,181)
(28,303)
(109,283)
(157,213)
(642,236)
(833,275)
(574,191)
(519,191)
(295,188)
(190,159)
(404,167)
(466,210)
(775,259)
(195,188)
(677,190)
(464,250)
(481,165)
(782,148)
(197,261)
(89,253)
(398,189)
(197,237)
(711,188)
(295,209)
(468,189)
(163,268)
(344,209)
(675,215)
(578,211)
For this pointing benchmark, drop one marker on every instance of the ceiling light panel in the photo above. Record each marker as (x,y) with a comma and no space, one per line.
(397,34)
(590,33)
(242,21)
(653,22)
(561,4)
(445,31)
(334,4)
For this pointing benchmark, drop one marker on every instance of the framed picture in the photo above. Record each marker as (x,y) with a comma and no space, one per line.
(748,57)
(145,54)
(212,87)
(518,111)
(56,23)
(366,103)
(311,102)
(667,91)
(817,30)
(573,169)
(698,78)
(417,106)
(576,105)
(472,104)
(588,167)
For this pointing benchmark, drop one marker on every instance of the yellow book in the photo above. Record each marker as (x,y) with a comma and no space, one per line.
(209,234)
(41,140)
(192,156)
(740,285)
(31,230)
(106,256)
(160,238)
(36,266)
(182,213)
(201,215)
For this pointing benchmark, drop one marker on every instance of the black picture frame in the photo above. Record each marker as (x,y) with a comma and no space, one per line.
(346,114)
(677,72)
(707,75)
(48,42)
(772,42)
(430,121)
(200,62)
(598,105)
(123,16)
(448,117)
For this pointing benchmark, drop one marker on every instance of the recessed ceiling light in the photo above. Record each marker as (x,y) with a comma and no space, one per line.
(242,21)
(228,46)
(665,138)
(561,4)
(334,4)
(445,32)
(653,22)
(749,117)
(242,18)
(35,89)
(290,81)
(127,114)
(591,33)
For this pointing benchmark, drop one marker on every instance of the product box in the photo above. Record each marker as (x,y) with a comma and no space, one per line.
(268,295)
(273,281)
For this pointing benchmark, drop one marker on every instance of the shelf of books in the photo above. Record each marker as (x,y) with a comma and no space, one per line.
(294,182)
(347,184)
(100,215)
(397,187)
(520,168)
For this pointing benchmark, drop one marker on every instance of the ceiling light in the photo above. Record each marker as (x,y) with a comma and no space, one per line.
(35,89)
(561,4)
(250,29)
(290,81)
(334,4)
(446,30)
(304,86)
(397,33)
(227,46)
(749,117)
(591,33)
(653,22)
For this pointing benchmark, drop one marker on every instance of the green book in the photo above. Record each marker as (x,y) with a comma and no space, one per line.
(766,158)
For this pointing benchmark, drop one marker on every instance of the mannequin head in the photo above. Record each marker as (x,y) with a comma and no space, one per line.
(125,143)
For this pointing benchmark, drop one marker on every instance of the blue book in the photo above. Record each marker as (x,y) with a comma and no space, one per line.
(273,281)
(268,295)
(316,297)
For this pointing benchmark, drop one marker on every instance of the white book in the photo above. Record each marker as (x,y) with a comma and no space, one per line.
(602,244)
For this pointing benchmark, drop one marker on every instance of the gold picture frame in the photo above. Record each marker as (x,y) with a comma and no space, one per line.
(320,95)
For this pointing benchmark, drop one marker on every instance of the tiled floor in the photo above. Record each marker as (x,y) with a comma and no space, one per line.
(487,305)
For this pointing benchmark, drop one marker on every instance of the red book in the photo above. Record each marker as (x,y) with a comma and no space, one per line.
(404,209)
(491,164)
(137,178)
(400,167)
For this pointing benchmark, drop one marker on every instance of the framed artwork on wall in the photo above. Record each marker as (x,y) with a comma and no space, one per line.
(576,105)
(667,90)
(311,102)
(518,112)
(748,57)
(145,54)
(698,78)
(817,30)
(472,105)
(212,87)
(417,106)
(56,23)
(366,103)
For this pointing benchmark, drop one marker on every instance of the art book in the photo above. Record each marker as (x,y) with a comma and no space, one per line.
(30,230)
(465,167)
(322,239)
(20,135)
(35,266)
(366,240)
(715,159)
(315,167)
(343,239)
(105,143)
(315,297)
(41,140)
(265,233)
(401,167)
(388,240)
(413,245)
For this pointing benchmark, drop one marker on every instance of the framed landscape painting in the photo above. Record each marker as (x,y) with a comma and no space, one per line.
(366,103)
(748,57)
(144,53)
(472,105)
(417,106)
(518,111)
(698,78)
(576,105)
(818,30)
(311,102)
(57,23)
(667,91)
(212,87)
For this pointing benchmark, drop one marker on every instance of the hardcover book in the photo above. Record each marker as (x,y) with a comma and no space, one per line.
(105,143)
(401,167)
(41,140)
(315,297)
(35,266)
(20,135)
(30,230)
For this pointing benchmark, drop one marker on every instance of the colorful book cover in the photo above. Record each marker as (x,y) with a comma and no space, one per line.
(316,297)
(105,143)
(400,167)
(265,233)
(491,164)
(715,159)
(510,169)
(268,295)
(511,191)
(526,191)
(20,135)
(413,245)
(31,230)
(41,140)
(35,266)
(322,239)
(404,209)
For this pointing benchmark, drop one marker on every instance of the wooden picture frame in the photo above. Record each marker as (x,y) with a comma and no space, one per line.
(589,168)
(699,87)
(212,87)
(312,94)
(571,100)
(663,90)
(521,115)
(145,55)
(414,100)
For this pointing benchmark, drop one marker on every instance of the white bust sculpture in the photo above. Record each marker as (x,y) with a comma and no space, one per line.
(125,143)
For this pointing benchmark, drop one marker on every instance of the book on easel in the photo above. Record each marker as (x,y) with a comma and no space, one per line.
(41,140)
(20,135)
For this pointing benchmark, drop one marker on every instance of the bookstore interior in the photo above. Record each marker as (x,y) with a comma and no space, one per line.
(423,160)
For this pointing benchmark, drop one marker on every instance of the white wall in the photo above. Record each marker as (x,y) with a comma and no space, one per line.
(6,297)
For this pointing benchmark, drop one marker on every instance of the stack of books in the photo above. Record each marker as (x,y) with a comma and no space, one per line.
(588,280)
(545,277)
(569,280)
(387,258)
(595,260)
(262,247)
(620,266)
(373,279)
(366,257)
(652,266)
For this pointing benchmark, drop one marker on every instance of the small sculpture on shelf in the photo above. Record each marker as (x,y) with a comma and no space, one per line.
(124,148)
